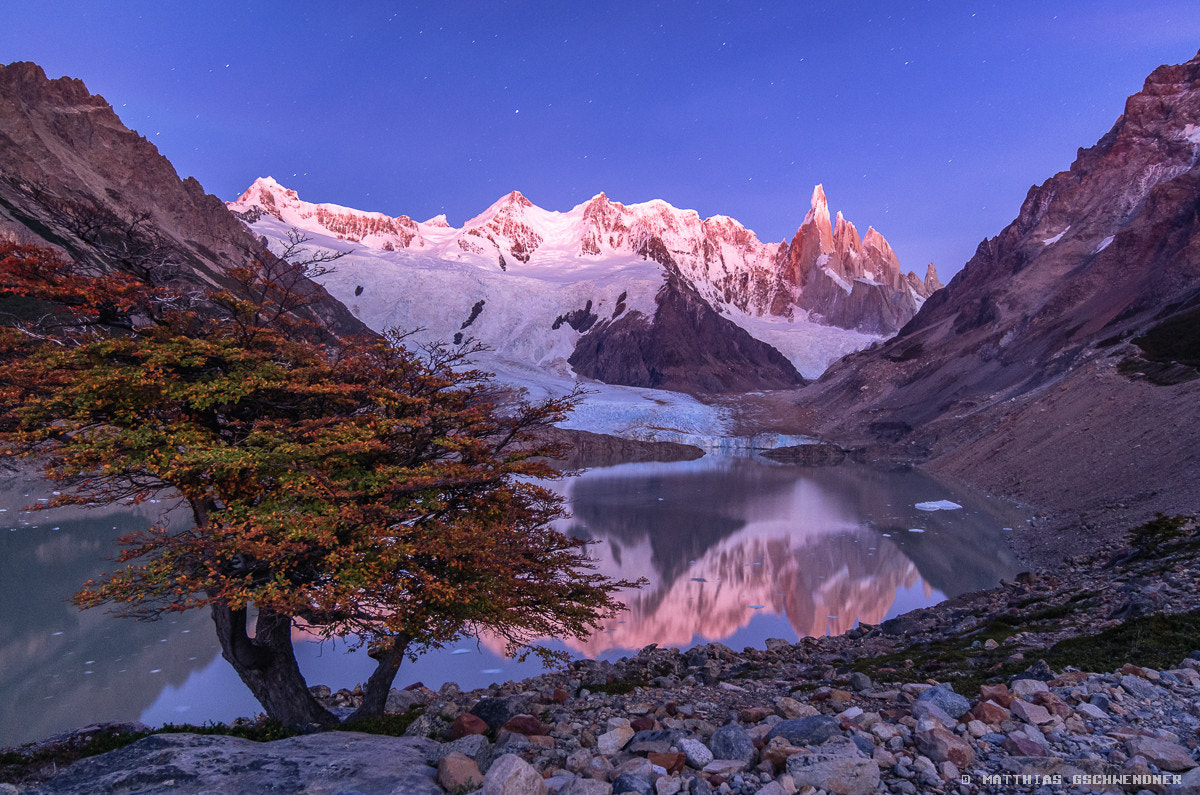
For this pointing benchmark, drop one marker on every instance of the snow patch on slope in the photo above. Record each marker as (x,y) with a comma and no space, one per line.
(810,346)
(1051,241)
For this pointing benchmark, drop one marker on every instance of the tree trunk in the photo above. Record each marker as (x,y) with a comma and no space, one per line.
(375,693)
(267,664)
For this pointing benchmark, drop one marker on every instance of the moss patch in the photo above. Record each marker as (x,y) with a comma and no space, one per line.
(1159,641)
(618,687)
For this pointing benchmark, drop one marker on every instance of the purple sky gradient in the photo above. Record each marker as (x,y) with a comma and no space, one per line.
(928,120)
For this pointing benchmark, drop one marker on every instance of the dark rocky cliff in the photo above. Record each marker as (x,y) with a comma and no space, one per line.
(685,346)
(73,176)
(1058,365)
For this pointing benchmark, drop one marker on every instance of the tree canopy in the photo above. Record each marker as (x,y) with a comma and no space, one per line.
(355,488)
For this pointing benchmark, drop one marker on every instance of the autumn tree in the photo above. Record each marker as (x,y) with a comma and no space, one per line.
(358,490)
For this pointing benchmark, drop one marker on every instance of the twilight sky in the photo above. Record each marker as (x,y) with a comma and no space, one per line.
(928,120)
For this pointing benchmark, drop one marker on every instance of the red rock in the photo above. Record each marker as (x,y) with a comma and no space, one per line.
(1054,704)
(1030,712)
(559,696)
(673,763)
(524,724)
(466,724)
(754,714)
(998,693)
(1019,744)
(642,724)
(941,745)
(990,712)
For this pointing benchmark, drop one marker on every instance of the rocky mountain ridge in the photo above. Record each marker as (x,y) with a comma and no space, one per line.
(1059,366)
(75,178)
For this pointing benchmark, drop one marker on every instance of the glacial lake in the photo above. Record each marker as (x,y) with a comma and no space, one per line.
(735,549)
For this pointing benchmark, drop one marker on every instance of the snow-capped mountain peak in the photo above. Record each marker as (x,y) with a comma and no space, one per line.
(377,230)
(538,285)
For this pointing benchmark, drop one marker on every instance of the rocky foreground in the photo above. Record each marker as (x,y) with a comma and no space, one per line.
(983,693)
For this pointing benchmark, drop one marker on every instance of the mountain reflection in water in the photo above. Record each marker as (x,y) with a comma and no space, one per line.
(733,549)
(721,539)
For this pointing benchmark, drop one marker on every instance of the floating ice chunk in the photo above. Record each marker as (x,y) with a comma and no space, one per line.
(461,651)
(757,607)
(915,530)
(938,505)
(490,671)
(886,535)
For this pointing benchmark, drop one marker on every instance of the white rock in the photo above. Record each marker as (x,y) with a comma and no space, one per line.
(697,753)
(512,775)
(1025,688)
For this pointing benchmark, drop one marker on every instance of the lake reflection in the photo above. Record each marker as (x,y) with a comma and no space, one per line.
(727,541)
(734,549)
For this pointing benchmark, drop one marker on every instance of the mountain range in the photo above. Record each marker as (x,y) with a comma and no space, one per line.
(642,294)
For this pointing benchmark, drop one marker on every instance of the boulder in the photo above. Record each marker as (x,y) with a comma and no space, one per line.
(613,741)
(512,775)
(1030,713)
(790,709)
(842,775)
(806,731)
(627,782)
(467,724)
(1019,743)
(991,712)
(458,772)
(941,745)
(495,712)
(586,786)
(475,746)
(946,699)
(524,724)
(1025,688)
(732,742)
(998,693)
(330,761)
(670,762)
(697,753)
(1163,753)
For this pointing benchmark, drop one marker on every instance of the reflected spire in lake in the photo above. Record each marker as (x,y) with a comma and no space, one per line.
(723,542)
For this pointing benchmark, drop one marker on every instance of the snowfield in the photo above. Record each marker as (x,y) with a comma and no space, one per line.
(445,284)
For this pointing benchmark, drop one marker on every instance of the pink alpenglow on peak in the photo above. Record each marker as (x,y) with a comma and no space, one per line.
(827,273)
